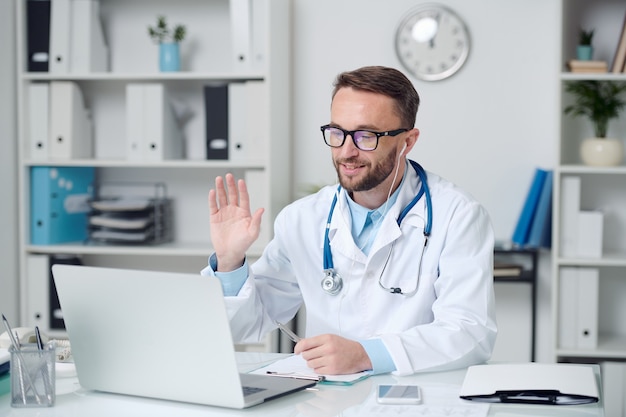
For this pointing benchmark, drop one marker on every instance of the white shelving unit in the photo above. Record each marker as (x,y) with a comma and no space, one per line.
(602,189)
(208,57)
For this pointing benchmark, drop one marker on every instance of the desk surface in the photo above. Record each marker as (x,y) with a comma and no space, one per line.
(322,401)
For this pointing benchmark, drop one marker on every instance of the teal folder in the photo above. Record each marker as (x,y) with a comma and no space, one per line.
(59,204)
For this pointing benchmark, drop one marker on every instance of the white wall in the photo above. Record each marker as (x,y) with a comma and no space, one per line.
(8,174)
(486,128)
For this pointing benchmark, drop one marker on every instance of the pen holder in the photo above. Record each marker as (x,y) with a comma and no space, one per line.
(32,376)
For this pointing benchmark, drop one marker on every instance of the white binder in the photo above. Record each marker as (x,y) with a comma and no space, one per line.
(590,224)
(163,138)
(37,278)
(588,287)
(240,19)
(60,36)
(134,122)
(71,135)
(89,52)
(38,120)
(248,122)
(152,130)
(570,206)
(568,308)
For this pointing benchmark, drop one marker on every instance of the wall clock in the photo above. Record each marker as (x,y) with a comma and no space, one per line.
(432,42)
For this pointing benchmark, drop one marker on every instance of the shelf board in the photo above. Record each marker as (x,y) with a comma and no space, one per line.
(171,163)
(155,76)
(608,259)
(584,169)
(609,346)
(165,249)
(572,76)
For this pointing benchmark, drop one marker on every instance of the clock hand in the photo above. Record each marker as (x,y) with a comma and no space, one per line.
(436,18)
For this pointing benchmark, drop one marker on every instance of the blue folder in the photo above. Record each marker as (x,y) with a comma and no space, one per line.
(522,230)
(59,204)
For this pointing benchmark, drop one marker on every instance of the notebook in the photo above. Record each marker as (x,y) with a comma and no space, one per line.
(157,334)
(530,383)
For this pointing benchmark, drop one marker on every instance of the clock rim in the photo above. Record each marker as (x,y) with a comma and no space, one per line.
(448,72)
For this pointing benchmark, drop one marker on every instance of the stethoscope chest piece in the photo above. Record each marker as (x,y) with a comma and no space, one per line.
(332,282)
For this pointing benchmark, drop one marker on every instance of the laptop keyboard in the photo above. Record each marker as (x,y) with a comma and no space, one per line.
(251,390)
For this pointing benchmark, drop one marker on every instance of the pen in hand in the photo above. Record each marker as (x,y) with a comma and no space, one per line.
(287,331)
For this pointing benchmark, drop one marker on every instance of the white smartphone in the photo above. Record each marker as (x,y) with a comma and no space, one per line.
(399,394)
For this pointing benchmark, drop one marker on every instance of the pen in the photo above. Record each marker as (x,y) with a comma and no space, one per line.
(287,331)
(14,340)
(38,336)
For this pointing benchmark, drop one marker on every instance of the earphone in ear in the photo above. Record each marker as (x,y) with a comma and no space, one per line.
(403,148)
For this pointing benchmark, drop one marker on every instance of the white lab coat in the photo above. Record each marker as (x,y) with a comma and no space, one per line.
(450,321)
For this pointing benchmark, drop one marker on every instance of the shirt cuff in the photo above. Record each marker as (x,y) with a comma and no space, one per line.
(379,356)
(231,281)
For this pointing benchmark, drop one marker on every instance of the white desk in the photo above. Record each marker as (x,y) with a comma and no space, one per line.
(323,401)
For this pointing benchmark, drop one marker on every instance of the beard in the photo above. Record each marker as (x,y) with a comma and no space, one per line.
(376,175)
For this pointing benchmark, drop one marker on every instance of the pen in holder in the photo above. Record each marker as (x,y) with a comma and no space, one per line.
(33,375)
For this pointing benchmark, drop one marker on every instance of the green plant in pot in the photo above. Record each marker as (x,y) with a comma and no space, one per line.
(584,49)
(600,102)
(168,40)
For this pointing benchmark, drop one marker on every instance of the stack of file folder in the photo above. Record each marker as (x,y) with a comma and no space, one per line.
(131,220)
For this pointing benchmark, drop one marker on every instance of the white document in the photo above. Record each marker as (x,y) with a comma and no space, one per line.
(568,308)
(60,36)
(570,207)
(38,288)
(89,52)
(590,224)
(71,134)
(575,384)
(38,120)
(294,366)
(588,287)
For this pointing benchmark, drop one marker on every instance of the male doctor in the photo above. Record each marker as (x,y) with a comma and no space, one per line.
(401,278)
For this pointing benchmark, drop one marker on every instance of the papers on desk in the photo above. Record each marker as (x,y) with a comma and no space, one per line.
(294,366)
(530,383)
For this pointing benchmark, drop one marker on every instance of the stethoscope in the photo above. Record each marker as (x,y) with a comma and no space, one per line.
(332,282)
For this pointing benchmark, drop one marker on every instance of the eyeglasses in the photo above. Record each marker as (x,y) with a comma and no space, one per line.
(365,140)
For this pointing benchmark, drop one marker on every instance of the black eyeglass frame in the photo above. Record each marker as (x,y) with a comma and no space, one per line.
(352,132)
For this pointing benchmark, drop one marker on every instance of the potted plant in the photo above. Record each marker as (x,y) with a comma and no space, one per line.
(600,102)
(168,40)
(584,50)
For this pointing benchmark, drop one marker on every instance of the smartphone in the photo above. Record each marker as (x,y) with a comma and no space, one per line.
(399,394)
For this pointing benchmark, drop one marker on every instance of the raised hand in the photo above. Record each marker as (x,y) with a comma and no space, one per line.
(233,228)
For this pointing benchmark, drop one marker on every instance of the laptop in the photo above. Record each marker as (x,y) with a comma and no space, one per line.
(157,334)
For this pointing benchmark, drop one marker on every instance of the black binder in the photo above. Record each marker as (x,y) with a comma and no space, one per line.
(216,117)
(38,35)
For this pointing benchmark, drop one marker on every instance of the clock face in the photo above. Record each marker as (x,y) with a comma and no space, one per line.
(432,42)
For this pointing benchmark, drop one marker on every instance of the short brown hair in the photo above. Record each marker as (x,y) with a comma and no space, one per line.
(387,81)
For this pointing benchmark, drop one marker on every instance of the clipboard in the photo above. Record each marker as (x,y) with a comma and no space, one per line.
(531,383)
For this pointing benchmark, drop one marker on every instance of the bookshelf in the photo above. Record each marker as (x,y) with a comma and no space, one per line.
(213,53)
(528,261)
(588,291)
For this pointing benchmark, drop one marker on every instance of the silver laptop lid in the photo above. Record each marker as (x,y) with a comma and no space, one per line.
(152,334)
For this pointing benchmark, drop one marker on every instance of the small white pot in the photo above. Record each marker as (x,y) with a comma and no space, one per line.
(602,152)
